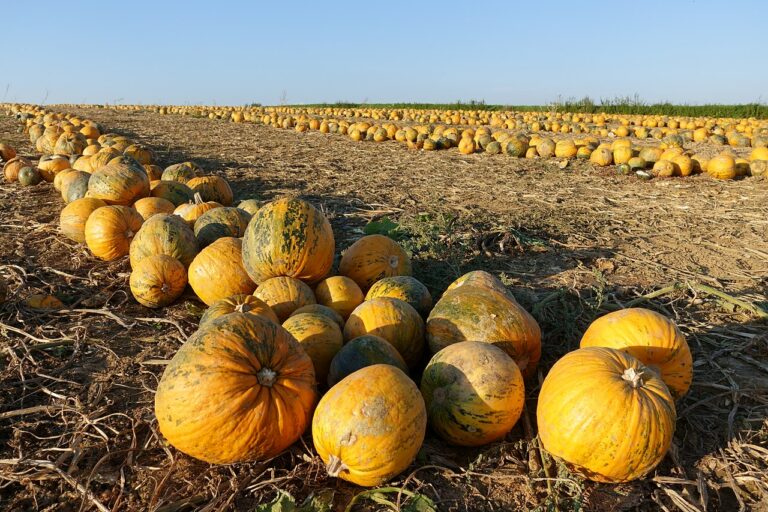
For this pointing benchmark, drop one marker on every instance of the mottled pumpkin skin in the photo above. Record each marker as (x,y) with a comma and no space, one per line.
(319,309)
(474,393)
(288,237)
(221,222)
(482,279)
(239,389)
(239,303)
(212,188)
(74,215)
(110,229)
(392,319)
(250,205)
(599,423)
(181,172)
(192,210)
(374,257)
(149,206)
(405,288)
(118,184)
(217,271)
(158,280)
(369,427)
(74,186)
(472,313)
(285,295)
(361,352)
(12,167)
(173,191)
(319,336)
(649,336)
(340,294)
(164,234)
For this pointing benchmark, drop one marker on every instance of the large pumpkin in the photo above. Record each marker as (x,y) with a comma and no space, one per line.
(649,336)
(607,415)
(212,188)
(217,271)
(392,319)
(363,351)
(474,393)
(340,294)
(74,185)
(319,336)
(369,427)
(288,237)
(239,389)
(405,288)
(374,257)
(164,233)
(482,279)
(221,222)
(173,191)
(74,215)
(149,206)
(285,295)
(110,229)
(118,184)
(472,313)
(192,210)
(158,280)
(239,303)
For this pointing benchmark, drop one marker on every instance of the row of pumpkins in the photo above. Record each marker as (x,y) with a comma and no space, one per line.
(280,328)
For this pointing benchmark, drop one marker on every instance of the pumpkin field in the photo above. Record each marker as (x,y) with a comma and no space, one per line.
(382,307)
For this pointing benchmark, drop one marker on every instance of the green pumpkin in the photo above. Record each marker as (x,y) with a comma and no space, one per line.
(221,222)
(405,288)
(174,191)
(182,172)
(29,176)
(363,351)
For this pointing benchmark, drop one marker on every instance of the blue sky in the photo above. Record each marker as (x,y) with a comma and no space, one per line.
(231,53)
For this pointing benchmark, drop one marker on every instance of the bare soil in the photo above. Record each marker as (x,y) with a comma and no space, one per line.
(77,430)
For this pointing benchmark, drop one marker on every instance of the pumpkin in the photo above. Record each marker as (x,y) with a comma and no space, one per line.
(118,184)
(722,167)
(73,217)
(74,186)
(604,413)
(663,169)
(683,165)
(70,144)
(158,280)
(110,229)
(239,303)
(466,146)
(51,165)
(217,271)
(369,427)
(149,206)
(164,233)
(140,153)
(182,172)
(546,148)
(285,295)
(474,393)
(374,257)
(13,166)
(471,313)
(192,210)
(649,336)
(621,154)
(482,279)
(319,336)
(392,319)
(212,188)
(220,222)
(174,191)
(406,288)
(42,301)
(759,153)
(239,389)
(250,205)
(361,352)
(7,152)
(319,309)
(154,172)
(758,168)
(565,148)
(340,294)
(29,176)
(288,237)
(601,157)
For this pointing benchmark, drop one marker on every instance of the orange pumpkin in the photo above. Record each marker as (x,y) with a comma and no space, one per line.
(173,191)
(164,233)
(405,288)
(319,336)
(118,184)
(192,210)
(217,271)
(285,295)
(158,280)
(239,389)
(482,279)
(212,188)
(7,152)
(74,215)
(374,257)
(319,309)
(340,294)
(12,167)
(154,172)
(149,206)
(110,229)
(51,165)
(240,303)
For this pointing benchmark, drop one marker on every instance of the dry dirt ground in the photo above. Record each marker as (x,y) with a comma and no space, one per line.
(77,429)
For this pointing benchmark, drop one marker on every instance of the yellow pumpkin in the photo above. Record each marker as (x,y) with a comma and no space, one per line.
(406,288)
(285,295)
(149,206)
(239,303)
(374,257)
(319,336)
(722,167)
(109,231)
(158,280)
(217,271)
(75,214)
(339,293)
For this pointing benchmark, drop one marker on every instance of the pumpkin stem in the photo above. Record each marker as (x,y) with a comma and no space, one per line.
(335,466)
(634,377)
(266,377)
(242,308)
(198,198)
(129,234)
(393,261)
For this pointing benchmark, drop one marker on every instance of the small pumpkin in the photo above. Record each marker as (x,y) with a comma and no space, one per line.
(182,172)
(149,206)
(319,309)
(73,217)
(221,222)
(369,427)
(43,301)
(319,336)
(154,172)
(217,271)
(339,293)
(361,352)
(392,319)
(239,303)
(158,280)
(12,167)
(374,257)
(29,176)
(7,152)
(288,237)
(239,389)
(118,184)
(285,295)
(192,210)
(583,420)
(164,233)
(173,191)
(405,288)
(110,229)
(212,188)
(250,205)
(474,393)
